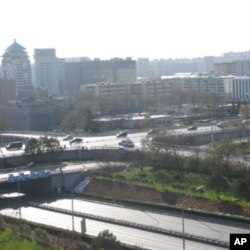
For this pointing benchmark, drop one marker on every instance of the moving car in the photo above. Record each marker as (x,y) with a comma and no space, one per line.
(15,145)
(76,140)
(68,138)
(126,143)
(222,124)
(193,127)
(122,134)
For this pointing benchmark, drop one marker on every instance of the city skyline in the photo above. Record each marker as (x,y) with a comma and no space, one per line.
(106,29)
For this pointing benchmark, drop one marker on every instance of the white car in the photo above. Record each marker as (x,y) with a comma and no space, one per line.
(68,138)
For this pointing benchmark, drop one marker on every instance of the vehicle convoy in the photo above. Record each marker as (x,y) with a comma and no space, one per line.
(126,143)
(15,145)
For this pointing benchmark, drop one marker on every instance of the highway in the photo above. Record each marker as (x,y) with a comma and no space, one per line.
(110,140)
(126,235)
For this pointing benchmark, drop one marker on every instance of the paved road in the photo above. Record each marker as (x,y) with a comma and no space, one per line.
(126,235)
(167,221)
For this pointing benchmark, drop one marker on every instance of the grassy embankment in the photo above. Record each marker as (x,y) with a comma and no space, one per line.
(171,180)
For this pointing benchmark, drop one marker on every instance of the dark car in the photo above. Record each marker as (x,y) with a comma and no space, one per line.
(192,127)
(122,134)
(76,140)
(15,145)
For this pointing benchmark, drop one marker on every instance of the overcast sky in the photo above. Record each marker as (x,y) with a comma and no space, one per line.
(122,28)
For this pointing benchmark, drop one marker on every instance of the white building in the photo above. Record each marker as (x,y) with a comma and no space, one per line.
(241,88)
(46,70)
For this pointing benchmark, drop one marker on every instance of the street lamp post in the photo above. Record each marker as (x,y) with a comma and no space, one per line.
(183,229)
(212,127)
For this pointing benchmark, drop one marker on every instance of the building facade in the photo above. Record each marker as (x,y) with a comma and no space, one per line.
(203,84)
(241,88)
(148,89)
(74,73)
(16,66)
(236,68)
(7,90)
(46,70)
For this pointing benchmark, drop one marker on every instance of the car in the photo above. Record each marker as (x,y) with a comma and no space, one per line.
(68,138)
(222,124)
(122,134)
(193,127)
(126,143)
(15,145)
(76,140)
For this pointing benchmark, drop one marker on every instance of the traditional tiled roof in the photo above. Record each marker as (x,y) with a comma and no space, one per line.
(15,47)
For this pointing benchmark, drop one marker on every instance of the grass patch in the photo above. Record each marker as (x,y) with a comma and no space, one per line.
(171,180)
(11,241)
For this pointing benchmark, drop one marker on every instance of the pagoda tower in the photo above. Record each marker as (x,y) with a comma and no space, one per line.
(16,66)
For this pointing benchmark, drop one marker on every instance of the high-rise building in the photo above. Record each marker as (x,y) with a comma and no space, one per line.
(74,73)
(46,70)
(143,69)
(16,66)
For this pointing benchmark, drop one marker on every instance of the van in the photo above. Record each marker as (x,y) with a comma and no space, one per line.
(15,145)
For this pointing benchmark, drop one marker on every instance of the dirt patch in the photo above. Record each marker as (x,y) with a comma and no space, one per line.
(118,190)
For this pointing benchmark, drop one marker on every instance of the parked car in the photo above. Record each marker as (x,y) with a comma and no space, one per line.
(76,140)
(68,138)
(122,134)
(193,127)
(126,143)
(15,145)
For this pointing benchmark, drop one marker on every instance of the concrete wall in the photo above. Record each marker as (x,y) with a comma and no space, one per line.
(66,182)
(78,154)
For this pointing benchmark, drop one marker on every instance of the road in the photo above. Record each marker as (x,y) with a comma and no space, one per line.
(126,235)
(110,140)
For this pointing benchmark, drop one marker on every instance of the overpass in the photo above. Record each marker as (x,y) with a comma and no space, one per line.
(42,180)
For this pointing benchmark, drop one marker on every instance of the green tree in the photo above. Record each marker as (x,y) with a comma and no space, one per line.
(43,144)
(105,241)
(32,147)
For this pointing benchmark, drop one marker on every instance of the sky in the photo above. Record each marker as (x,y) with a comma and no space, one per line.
(127,28)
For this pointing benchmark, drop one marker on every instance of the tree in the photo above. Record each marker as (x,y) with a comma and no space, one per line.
(49,144)
(32,147)
(223,151)
(245,111)
(43,144)
(105,241)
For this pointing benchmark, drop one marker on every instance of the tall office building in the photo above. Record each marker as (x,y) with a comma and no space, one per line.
(74,73)
(46,70)
(143,69)
(16,66)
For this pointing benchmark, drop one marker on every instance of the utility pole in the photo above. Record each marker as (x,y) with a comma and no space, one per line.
(19,198)
(183,229)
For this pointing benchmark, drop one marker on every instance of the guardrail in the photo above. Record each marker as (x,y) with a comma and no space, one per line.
(159,230)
